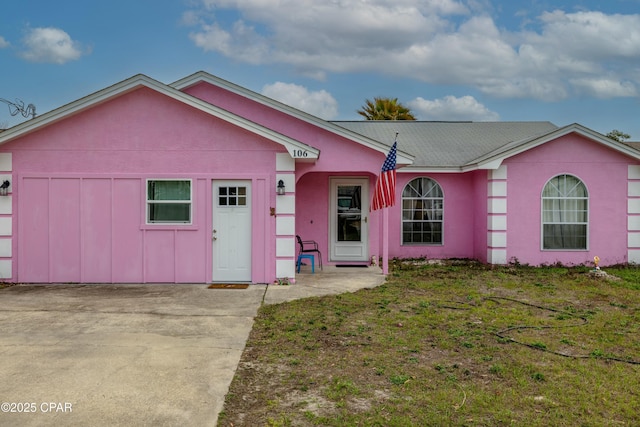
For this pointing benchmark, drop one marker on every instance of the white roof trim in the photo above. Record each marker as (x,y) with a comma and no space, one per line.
(202,76)
(495,159)
(430,169)
(293,146)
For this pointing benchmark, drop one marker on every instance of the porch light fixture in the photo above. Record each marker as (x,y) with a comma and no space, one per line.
(280,188)
(4,188)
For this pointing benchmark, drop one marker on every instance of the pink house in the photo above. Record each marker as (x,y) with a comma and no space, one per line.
(205,181)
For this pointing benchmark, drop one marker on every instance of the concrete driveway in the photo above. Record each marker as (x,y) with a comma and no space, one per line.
(134,355)
(120,355)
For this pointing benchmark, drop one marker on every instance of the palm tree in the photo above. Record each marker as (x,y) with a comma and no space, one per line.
(385,109)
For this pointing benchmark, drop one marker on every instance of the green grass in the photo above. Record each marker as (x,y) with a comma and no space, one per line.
(457,345)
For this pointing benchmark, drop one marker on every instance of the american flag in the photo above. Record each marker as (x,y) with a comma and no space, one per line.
(385,192)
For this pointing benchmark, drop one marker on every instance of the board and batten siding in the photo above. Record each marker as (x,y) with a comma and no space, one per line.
(93,230)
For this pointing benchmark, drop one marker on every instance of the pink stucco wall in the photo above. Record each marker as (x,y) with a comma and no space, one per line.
(603,171)
(460,218)
(464,215)
(338,154)
(480,193)
(80,193)
(312,209)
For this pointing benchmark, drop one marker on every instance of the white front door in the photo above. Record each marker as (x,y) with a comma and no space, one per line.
(231,231)
(348,222)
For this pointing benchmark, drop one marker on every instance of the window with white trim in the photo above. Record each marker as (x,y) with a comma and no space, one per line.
(565,214)
(422,212)
(169,201)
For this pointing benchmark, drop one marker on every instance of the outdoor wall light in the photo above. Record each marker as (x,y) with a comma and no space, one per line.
(4,188)
(280,188)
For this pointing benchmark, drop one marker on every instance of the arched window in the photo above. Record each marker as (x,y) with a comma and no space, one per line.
(565,213)
(422,204)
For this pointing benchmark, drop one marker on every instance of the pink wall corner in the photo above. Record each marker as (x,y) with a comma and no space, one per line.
(603,171)
(480,226)
(312,209)
(264,230)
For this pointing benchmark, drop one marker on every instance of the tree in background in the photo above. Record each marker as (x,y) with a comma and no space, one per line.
(385,109)
(618,135)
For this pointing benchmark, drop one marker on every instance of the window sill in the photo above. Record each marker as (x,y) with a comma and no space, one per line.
(170,226)
(564,250)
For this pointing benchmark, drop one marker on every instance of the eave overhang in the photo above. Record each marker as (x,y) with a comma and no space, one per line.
(293,147)
(402,157)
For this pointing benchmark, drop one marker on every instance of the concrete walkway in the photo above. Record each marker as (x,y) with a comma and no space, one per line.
(160,355)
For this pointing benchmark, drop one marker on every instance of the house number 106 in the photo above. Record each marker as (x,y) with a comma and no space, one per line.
(300,153)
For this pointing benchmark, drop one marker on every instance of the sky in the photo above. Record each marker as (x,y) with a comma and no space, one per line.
(563,61)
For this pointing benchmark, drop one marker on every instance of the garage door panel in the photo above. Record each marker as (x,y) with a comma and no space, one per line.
(127,240)
(96,230)
(33,230)
(160,256)
(64,230)
(190,257)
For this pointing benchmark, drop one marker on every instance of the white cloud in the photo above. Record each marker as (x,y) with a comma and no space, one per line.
(242,42)
(592,35)
(589,53)
(319,103)
(452,108)
(3,43)
(605,88)
(314,36)
(51,45)
(436,41)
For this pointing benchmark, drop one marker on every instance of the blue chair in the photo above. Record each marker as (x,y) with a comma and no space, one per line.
(310,258)
(307,247)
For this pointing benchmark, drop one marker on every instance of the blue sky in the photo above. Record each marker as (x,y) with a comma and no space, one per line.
(562,61)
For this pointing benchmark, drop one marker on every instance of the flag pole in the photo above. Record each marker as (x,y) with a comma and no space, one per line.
(385,229)
(385,241)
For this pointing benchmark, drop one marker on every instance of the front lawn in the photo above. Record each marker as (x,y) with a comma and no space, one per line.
(461,344)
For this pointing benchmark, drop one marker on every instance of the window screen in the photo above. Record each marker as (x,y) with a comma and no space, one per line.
(169,201)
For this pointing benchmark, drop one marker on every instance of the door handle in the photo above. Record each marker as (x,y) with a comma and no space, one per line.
(213,235)
(365,219)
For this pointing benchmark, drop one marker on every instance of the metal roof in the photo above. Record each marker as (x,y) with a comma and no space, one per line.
(448,144)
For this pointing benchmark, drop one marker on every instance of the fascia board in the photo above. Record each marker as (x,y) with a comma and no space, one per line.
(493,160)
(70,108)
(201,76)
(140,80)
(428,169)
(293,146)
(606,141)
